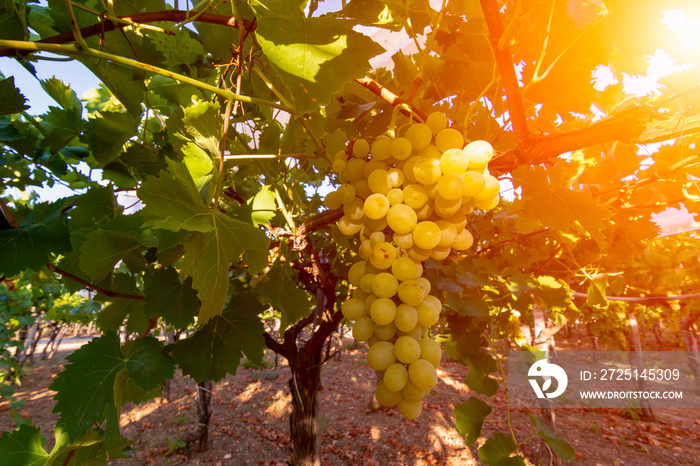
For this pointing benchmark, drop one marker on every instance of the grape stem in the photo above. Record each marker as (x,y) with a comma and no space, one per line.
(505,386)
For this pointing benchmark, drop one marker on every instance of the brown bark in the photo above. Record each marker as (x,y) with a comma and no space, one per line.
(637,360)
(201,433)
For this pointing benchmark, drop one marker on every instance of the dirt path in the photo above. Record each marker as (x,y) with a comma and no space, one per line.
(250,423)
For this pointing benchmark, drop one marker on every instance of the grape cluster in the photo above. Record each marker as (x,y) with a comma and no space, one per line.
(407,198)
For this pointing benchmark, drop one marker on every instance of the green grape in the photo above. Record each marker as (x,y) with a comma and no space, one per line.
(425,212)
(408,167)
(427,171)
(448,233)
(401,148)
(430,152)
(354,170)
(362,189)
(491,189)
(446,207)
(437,121)
(425,283)
(381,355)
(373,339)
(355,273)
(416,333)
(396,177)
(376,225)
(487,204)
(463,241)
(458,220)
(396,377)
(347,191)
(427,315)
(433,301)
(338,166)
(430,351)
(404,268)
(450,186)
(385,285)
(411,393)
(426,235)
(381,149)
(373,165)
(354,210)
(385,332)
(479,153)
(415,196)
(382,255)
(333,200)
(376,206)
(406,349)
(411,292)
(473,183)
(419,135)
(454,161)
(422,374)
(410,410)
(419,254)
(366,282)
(406,318)
(376,237)
(404,241)
(379,182)
(364,249)
(440,253)
(448,139)
(401,218)
(383,311)
(384,396)
(371,297)
(360,148)
(349,227)
(359,294)
(353,309)
(341,155)
(363,329)
(419,268)
(395,196)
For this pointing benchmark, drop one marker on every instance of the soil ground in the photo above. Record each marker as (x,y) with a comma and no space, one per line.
(250,422)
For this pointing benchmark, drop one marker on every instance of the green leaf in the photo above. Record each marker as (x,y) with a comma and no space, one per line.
(62,126)
(22,447)
(215,349)
(11,26)
(470,417)
(107,133)
(41,233)
(113,315)
(279,288)
(173,202)
(11,100)
(208,256)
(595,296)
(200,166)
(497,451)
(92,209)
(178,49)
(560,447)
(170,299)
(315,56)
(62,94)
(89,449)
(203,122)
(478,379)
(102,249)
(259,209)
(85,388)
(173,91)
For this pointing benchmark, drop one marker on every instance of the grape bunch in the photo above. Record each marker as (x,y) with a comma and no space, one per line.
(408,199)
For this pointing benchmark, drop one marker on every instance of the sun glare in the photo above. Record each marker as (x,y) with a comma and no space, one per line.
(687,29)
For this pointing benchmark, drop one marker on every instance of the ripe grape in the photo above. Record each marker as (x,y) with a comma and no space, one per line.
(385,285)
(404,268)
(396,377)
(381,355)
(401,148)
(451,186)
(354,170)
(349,227)
(411,393)
(479,153)
(401,218)
(363,329)
(384,396)
(411,293)
(353,309)
(382,255)
(385,332)
(427,171)
(406,318)
(463,241)
(419,135)
(437,121)
(333,200)
(383,311)
(430,351)
(415,196)
(379,182)
(410,410)
(376,206)
(406,349)
(360,148)
(427,315)
(426,235)
(448,139)
(473,183)
(422,374)
(454,161)
(395,196)
(490,190)
(381,149)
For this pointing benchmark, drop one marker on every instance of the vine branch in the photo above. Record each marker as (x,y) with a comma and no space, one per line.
(86,284)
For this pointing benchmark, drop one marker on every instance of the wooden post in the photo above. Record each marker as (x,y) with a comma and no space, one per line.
(637,361)
(546,406)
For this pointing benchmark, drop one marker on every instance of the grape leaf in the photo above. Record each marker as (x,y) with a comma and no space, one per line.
(203,122)
(259,209)
(85,388)
(113,315)
(93,208)
(497,451)
(62,94)
(178,49)
(280,289)
(11,26)
(11,100)
(22,447)
(215,349)
(478,380)
(89,449)
(469,418)
(200,166)
(107,133)
(560,447)
(41,233)
(102,249)
(315,56)
(62,126)
(167,297)
(208,255)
